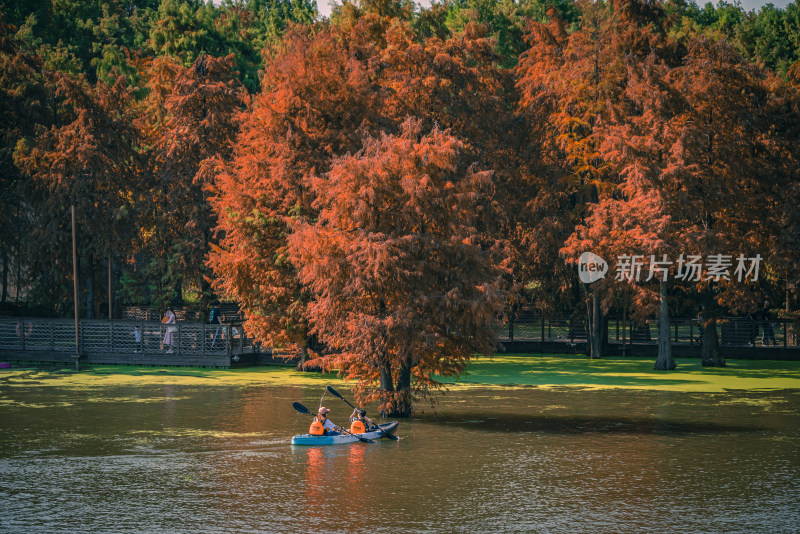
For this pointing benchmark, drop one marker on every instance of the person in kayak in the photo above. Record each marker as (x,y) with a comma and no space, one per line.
(321,425)
(359,422)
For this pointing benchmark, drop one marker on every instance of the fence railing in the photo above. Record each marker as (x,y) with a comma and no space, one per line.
(99,336)
(732,331)
(229,311)
(141,313)
(199,339)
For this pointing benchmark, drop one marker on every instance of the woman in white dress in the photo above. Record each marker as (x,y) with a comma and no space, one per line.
(169,337)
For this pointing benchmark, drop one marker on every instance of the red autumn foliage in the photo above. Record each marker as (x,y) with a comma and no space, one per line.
(314,102)
(702,167)
(403,286)
(190,119)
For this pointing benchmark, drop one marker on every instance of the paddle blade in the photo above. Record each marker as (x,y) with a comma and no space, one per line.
(359,438)
(300,408)
(385,434)
(335,393)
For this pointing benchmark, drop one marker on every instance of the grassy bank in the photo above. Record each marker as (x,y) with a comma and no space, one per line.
(502,371)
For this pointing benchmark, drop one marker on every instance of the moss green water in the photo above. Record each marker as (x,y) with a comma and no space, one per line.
(544,371)
(628,373)
(129,449)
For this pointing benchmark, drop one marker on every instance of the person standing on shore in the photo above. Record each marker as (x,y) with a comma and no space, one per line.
(766,322)
(213,318)
(169,338)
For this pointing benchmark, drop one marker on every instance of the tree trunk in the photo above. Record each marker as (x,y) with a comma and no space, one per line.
(90,289)
(18,283)
(303,358)
(786,307)
(604,334)
(402,397)
(387,387)
(624,323)
(5,278)
(664,361)
(207,294)
(596,350)
(110,291)
(177,292)
(710,355)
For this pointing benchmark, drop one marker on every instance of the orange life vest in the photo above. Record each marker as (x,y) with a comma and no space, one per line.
(357,427)
(317,428)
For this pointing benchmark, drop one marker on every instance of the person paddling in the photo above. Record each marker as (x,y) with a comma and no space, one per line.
(359,422)
(322,425)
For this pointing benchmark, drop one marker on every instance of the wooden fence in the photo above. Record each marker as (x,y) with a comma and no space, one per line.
(229,311)
(123,337)
(191,343)
(732,331)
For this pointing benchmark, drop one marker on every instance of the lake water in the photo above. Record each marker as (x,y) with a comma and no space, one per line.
(163,458)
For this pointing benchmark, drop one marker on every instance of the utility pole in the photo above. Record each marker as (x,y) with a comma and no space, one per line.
(109,286)
(77,355)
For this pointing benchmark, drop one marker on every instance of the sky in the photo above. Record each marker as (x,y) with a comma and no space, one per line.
(324,5)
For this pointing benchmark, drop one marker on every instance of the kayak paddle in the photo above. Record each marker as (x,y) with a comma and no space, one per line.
(302,409)
(336,394)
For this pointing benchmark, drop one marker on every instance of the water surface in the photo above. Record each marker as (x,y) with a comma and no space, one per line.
(201,458)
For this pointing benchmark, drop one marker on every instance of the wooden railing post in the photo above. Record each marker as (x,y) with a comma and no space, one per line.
(542,326)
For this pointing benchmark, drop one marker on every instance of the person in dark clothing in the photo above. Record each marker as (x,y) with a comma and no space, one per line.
(754,321)
(361,415)
(766,322)
(701,321)
(213,318)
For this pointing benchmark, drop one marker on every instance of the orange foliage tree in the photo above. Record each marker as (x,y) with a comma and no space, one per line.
(189,117)
(315,99)
(325,88)
(458,84)
(571,85)
(786,217)
(702,167)
(404,286)
(735,165)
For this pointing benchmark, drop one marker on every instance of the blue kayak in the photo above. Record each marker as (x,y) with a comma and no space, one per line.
(340,439)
